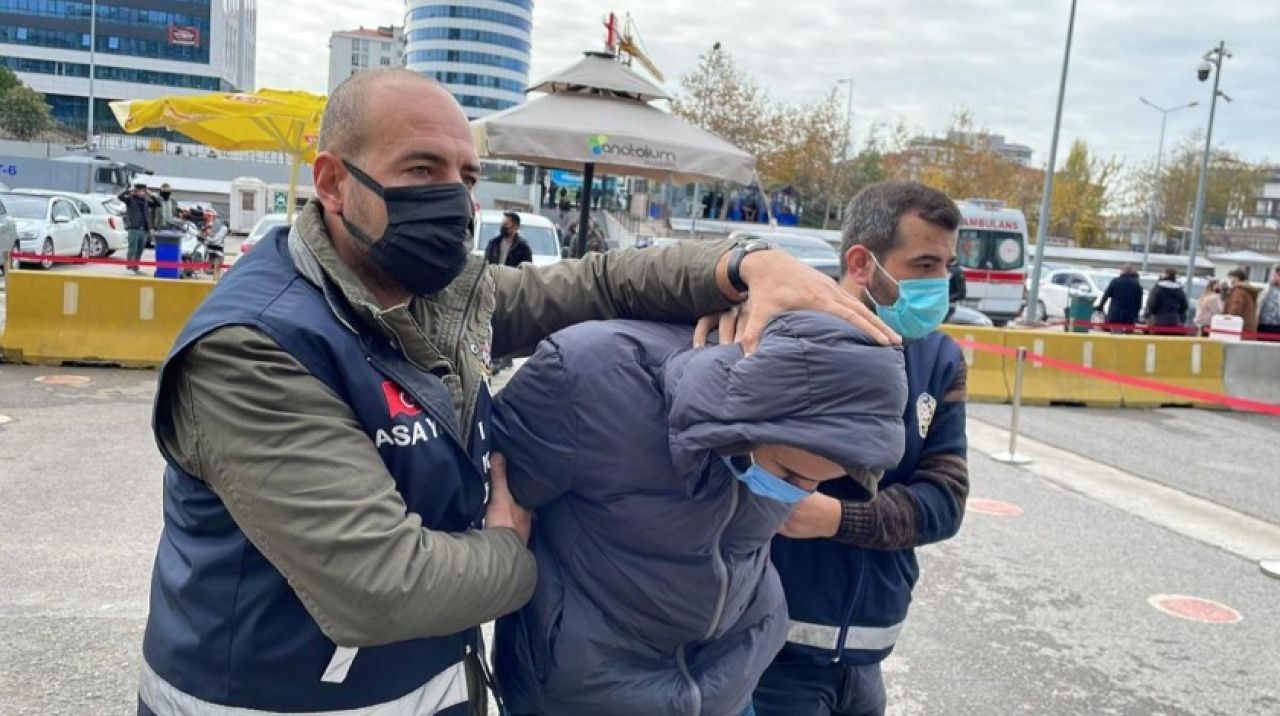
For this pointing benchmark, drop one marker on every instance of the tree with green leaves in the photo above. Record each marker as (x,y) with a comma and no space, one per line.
(1231,186)
(1081,193)
(8,80)
(23,111)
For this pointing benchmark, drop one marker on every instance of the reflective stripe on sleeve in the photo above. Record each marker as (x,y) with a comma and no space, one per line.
(857,637)
(444,690)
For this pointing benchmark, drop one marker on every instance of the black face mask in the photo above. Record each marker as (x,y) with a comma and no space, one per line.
(164,195)
(425,245)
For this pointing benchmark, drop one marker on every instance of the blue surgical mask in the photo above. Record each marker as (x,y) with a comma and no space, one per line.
(766,484)
(921,307)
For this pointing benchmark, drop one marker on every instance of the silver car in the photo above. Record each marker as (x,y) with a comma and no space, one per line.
(8,237)
(103,216)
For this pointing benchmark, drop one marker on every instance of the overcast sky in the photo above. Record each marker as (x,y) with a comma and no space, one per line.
(914,60)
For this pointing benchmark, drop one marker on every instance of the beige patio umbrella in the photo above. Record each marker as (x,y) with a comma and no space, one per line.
(597,115)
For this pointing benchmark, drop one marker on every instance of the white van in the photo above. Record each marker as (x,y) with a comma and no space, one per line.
(536,229)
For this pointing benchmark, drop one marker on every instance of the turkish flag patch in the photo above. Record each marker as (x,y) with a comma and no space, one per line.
(398,402)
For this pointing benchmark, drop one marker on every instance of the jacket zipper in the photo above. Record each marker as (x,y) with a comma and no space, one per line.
(722,595)
(853,603)
(717,564)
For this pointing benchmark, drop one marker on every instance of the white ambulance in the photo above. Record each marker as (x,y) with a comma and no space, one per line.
(992,250)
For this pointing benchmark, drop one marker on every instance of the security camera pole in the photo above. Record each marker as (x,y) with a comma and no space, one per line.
(1042,231)
(1212,60)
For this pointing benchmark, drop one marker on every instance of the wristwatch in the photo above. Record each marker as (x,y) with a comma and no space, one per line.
(735,261)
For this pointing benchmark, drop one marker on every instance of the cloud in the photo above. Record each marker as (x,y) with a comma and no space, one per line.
(912,60)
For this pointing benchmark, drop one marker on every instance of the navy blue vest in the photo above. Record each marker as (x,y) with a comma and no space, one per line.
(838,585)
(224,626)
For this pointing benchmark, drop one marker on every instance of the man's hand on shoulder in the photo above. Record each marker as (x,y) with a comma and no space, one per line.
(779,282)
(503,511)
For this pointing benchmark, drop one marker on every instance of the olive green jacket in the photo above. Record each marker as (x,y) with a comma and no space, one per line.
(306,484)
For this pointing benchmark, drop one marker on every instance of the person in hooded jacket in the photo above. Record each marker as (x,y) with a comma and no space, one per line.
(1167,305)
(659,474)
(1242,299)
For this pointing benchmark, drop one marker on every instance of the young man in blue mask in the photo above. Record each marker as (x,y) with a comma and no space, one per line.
(847,558)
(660,473)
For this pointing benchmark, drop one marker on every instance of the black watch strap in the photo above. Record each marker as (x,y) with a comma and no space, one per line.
(735,261)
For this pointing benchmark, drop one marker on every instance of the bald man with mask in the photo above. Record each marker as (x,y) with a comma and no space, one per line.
(333,532)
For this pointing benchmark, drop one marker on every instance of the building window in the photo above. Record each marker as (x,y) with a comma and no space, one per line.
(247,201)
(386,61)
(84,40)
(468,57)
(386,47)
(473,80)
(454,33)
(22,33)
(113,43)
(355,59)
(472,13)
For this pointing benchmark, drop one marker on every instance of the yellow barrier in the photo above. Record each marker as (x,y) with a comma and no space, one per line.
(987,377)
(1043,385)
(59,317)
(1194,363)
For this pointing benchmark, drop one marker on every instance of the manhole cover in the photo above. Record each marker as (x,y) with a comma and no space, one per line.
(996,508)
(63,379)
(1195,609)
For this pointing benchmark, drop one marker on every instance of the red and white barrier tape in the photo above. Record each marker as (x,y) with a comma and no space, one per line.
(1244,404)
(38,258)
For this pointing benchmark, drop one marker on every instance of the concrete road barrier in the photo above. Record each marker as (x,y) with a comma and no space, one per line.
(987,375)
(1252,370)
(59,317)
(1046,385)
(1194,363)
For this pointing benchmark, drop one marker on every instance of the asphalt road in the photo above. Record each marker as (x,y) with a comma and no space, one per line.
(1045,612)
(1228,458)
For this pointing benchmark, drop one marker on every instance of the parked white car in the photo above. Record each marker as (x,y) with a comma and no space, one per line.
(103,216)
(534,228)
(261,229)
(1058,288)
(47,225)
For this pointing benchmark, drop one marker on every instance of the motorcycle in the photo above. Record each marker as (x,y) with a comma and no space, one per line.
(204,246)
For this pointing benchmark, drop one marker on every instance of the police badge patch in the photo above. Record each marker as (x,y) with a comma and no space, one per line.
(926,406)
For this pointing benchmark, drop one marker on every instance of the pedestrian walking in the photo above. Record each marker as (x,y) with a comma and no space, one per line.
(847,554)
(138,206)
(509,248)
(1166,310)
(721,446)
(1209,305)
(1122,300)
(565,207)
(324,418)
(1269,306)
(1242,299)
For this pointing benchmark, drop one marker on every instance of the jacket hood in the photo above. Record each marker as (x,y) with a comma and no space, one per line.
(815,383)
(1253,290)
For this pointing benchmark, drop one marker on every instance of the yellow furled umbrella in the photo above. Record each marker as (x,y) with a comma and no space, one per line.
(267,120)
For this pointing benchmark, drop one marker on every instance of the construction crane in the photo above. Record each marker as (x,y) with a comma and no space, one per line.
(627,45)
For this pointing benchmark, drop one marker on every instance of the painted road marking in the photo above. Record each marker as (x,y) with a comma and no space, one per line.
(5,419)
(995,508)
(1195,609)
(1190,516)
(73,380)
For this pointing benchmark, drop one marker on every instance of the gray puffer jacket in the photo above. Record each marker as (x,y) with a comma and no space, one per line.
(655,591)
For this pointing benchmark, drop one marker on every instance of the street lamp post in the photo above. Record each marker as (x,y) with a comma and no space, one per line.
(1151,216)
(1042,231)
(848,116)
(1212,61)
(93,46)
